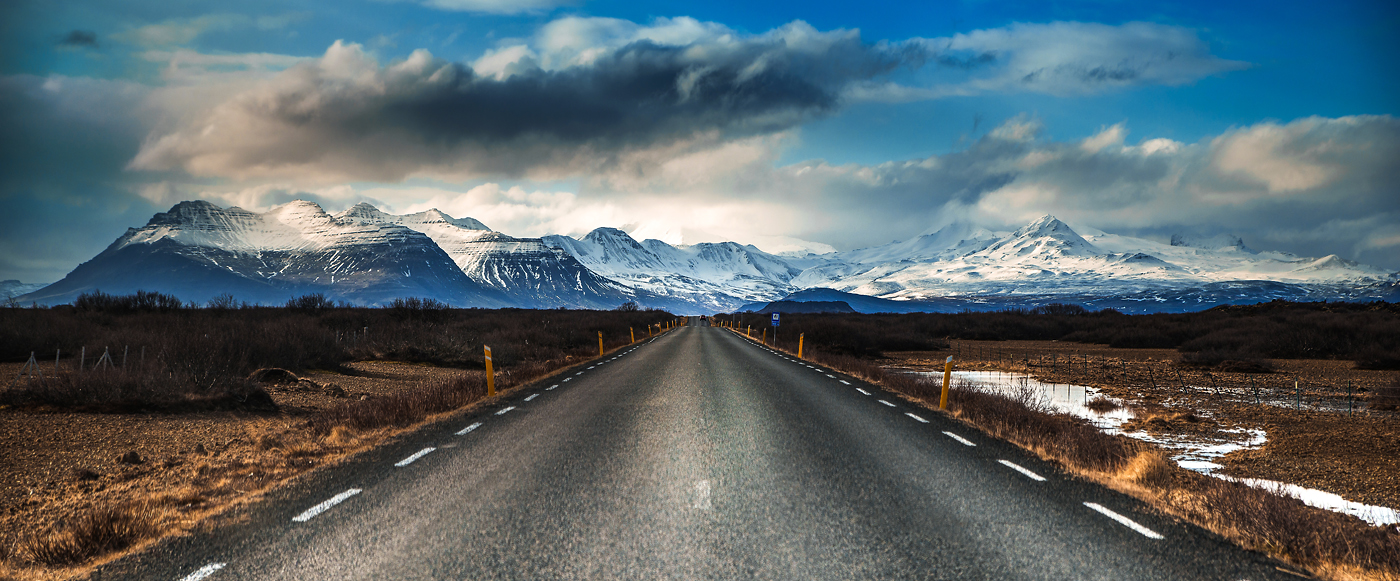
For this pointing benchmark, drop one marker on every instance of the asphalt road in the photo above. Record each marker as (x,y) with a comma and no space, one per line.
(697,455)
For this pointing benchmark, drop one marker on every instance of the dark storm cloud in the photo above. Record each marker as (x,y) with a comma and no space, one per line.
(79,39)
(346,116)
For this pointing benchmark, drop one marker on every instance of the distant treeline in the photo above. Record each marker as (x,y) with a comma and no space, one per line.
(162,349)
(1368,333)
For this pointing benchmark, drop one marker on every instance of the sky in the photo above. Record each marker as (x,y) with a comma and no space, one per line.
(794,126)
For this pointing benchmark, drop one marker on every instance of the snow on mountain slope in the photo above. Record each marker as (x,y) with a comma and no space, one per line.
(1226,258)
(723,275)
(1048,257)
(198,250)
(525,269)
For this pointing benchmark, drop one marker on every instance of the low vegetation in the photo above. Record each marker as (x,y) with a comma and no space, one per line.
(164,356)
(1226,338)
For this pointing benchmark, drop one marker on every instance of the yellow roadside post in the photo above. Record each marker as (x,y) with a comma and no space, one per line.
(748,331)
(490,375)
(947,375)
(800,337)
(600,343)
(764,339)
(632,334)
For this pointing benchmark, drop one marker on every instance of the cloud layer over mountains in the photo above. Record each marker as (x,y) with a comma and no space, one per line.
(677,124)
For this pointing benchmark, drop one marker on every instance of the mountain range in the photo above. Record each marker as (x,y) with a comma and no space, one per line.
(364,256)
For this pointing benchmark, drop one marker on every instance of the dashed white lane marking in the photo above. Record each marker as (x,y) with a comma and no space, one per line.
(532,396)
(578,374)
(325,506)
(590,367)
(887,403)
(204,571)
(964,441)
(831,376)
(844,381)
(921,420)
(1125,521)
(1028,473)
(702,495)
(551,387)
(567,378)
(415,456)
(862,391)
(503,412)
(468,429)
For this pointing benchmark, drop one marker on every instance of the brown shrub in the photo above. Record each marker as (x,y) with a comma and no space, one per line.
(1103,404)
(1151,469)
(1283,525)
(92,535)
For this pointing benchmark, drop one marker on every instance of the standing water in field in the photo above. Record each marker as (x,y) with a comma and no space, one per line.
(1196,452)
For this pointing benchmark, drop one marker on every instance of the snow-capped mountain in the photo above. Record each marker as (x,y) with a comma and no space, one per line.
(719,276)
(365,256)
(524,269)
(198,250)
(1049,258)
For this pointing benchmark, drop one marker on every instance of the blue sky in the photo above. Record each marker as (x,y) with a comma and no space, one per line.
(789,125)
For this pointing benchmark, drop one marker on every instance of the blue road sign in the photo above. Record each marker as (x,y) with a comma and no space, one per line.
(775,319)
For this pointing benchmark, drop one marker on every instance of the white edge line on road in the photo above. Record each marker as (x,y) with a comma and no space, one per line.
(964,441)
(921,420)
(862,391)
(551,387)
(887,403)
(468,429)
(325,506)
(503,412)
(844,381)
(415,456)
(1125,521)
(1028,473)
(532,396)
(204,571)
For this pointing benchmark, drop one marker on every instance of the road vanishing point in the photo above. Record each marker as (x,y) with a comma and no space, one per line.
(699,454)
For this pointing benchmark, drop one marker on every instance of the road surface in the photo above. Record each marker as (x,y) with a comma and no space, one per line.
(697,455)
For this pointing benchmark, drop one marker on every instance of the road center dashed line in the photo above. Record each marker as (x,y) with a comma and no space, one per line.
(532,396)
(1125,521)
(503,412)
(325,506)
(551,387)
(702,495)
(844,381)
(831,376)
(415,456)
(204,571)
(567,378)
(921,420)
(862,391)
(468,429)
(887,403)
(578,374)
(1028,473)
(964,441)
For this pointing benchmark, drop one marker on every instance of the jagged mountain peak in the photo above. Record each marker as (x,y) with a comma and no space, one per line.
(1046,225)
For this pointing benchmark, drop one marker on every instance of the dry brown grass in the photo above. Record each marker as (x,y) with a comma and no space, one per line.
(93,534)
